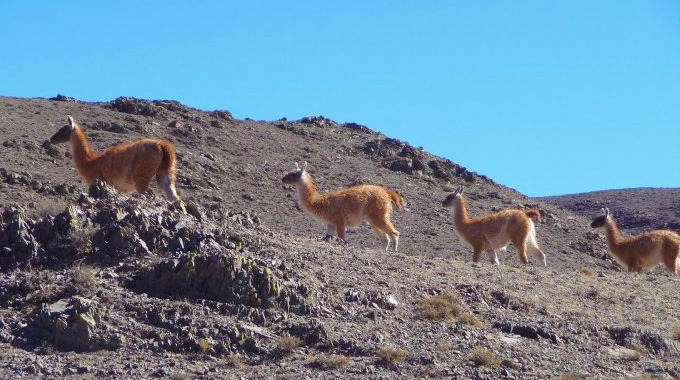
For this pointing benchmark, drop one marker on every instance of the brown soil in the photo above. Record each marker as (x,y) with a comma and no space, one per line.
(164,311)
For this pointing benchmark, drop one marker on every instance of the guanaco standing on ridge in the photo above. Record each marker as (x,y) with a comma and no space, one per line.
(129,165)
(348,207)
(643,251)
(493,232)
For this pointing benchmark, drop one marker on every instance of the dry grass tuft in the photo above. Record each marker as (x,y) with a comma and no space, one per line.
(83,281)
(81,239)
(443,306)
(329,362)
(390,355)
(234,361)
(443,346)
(572,376)
(447,306)
(483,357)
(675,333)
(204,345)
(47,207)
(470,319)
(288,344)
(586,271)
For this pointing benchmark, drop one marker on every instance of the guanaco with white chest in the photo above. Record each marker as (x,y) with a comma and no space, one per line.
(348,207)
(493,232)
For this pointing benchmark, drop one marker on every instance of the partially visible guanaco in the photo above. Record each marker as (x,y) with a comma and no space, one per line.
(643,251)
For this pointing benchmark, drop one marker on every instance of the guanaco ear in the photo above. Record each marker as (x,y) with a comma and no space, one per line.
(460,189)
(71,122)
(606,211)
(304,167)
(297,167)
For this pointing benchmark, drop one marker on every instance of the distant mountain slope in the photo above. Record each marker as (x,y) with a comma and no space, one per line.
(634,209)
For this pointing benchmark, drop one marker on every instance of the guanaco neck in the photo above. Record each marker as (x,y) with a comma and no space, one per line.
(613,234)
(307,192)
(80,147)
(460,214)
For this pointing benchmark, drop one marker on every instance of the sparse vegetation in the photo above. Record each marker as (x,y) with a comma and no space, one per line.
(204,345)
(47,207)
(572,376)
(288,343)
(469,319)
(675,333)
(329,362)
(81,239)
(208,294)
(83,281)
(442,306)
(443,346)
(447,306)
(390,355)
(234,361)
(483,357)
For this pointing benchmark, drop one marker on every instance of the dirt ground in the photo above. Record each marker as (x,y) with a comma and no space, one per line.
(335,310)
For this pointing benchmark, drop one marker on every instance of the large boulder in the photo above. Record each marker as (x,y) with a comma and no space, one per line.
(73,324)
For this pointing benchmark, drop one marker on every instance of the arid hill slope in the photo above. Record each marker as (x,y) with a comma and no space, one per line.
(242,285)
(634,209)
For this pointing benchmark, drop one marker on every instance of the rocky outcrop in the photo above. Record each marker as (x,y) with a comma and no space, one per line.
(73,324)
(402,157)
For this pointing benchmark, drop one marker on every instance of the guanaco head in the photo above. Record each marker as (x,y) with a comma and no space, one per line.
(450,200)
(296,175)
(64,134)
(601,220)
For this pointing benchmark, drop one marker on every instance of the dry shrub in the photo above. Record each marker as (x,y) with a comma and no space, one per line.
(443,346)
(81,238)
(83,281)
(390,355)
(204,345)
(447,306)
(572,376)
(288,344)
(470,319)
(675,333)
(324,361)
(483,357)
(47,207)
(234,361)
(443,306)
(586,271)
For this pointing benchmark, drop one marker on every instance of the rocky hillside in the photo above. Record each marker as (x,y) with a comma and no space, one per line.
(636,210)
(95,284)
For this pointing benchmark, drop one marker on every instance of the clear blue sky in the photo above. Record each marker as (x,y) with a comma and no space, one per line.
(546,97)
